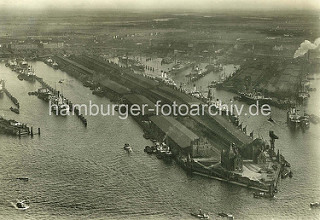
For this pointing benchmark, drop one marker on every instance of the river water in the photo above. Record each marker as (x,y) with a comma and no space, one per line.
(83,173)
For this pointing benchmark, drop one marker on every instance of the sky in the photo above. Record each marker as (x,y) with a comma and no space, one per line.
(192,5)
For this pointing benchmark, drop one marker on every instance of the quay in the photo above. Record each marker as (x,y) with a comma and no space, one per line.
(207,145)
(15,128)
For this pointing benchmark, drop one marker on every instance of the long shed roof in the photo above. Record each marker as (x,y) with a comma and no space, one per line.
(114,86)
(176,131)
(141,100)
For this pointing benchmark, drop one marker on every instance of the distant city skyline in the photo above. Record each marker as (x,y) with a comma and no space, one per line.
(161,5)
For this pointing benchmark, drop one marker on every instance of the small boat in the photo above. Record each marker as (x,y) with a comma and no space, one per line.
(200,215)
(127,147)
(159,155)
(98,91)
(55,65)
(146,136)
(21,205)
(20,77)
(285,173)
(15,110)
(150,149)
(23,178)
(314,119)
(225,215)
(263,195)
(270,119)
(315,204)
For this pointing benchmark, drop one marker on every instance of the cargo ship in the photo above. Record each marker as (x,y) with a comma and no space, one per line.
(28,75)
(253,98)
(1,87)
(293,117)
(58,105)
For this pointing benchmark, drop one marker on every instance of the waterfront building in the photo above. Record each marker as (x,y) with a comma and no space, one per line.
(181,140)
(231,159)
(52,45)
(261,158)
(114,90)
(140,100)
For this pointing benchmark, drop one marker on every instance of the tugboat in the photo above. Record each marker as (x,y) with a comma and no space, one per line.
(23,63)
(55,66)
(163,151)
(127,148)
(150,150)
(98,91)
(286,173)
(44,94)
(49,61)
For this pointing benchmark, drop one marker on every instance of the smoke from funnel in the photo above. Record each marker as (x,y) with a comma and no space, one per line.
(305,47)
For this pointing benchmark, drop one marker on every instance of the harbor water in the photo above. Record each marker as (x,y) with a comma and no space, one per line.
(83,173)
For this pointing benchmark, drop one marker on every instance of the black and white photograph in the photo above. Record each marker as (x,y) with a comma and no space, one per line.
(156,110)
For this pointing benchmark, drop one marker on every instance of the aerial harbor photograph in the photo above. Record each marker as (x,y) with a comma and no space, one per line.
(172,109)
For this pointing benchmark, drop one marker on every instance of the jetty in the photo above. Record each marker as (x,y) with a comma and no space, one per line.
(12,127)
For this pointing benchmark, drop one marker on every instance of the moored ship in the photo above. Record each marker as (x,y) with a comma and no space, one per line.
(253,98)
(55,65)
(28,75)
(1,87)
(304,120)
(58,105)
(44,94)
(293,117)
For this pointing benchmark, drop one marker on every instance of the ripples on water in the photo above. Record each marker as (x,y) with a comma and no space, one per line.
(80,173)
